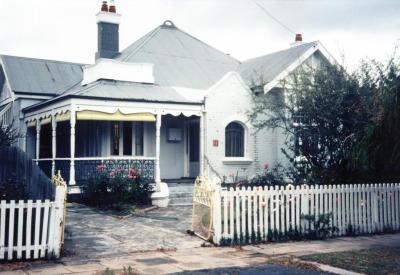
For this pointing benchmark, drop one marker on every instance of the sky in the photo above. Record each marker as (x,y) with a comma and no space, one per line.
(66,30)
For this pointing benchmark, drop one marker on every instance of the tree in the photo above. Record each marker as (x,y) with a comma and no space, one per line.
(323,113)
(377,158)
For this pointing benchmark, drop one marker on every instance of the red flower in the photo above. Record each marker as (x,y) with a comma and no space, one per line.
(100,167)
(112,174)
(131,177)
(132,171)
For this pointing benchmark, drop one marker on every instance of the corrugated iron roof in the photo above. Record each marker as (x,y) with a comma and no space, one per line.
(179,59)
(122,90)
(39,76)
(269,66)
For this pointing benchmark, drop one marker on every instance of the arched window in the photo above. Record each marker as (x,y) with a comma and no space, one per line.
(234,140)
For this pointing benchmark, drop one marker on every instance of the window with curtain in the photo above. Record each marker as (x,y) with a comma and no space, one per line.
(139,151)
(115,138)
(88,138)
(234,140)
(127,138)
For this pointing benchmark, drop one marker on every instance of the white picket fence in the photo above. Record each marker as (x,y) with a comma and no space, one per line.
(32,229)
(369,208)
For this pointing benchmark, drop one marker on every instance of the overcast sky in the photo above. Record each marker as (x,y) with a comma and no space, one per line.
(66,29)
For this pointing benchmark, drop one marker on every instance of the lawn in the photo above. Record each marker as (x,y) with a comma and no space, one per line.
(368,261)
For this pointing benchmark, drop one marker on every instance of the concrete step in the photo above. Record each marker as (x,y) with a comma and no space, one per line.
(180,194)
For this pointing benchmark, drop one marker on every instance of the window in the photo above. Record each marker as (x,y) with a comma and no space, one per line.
(115,138)
(139,139)
(127,138)
(234,140)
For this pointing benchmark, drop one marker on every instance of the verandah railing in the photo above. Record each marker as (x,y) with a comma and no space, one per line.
(259,214)
(86,167)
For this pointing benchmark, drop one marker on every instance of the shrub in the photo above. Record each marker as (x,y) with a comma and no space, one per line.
(276,176)
(116,188)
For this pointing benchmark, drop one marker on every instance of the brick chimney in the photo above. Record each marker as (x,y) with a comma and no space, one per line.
(108,21)
(298,40)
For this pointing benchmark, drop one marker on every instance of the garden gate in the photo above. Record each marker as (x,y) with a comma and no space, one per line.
(202,219)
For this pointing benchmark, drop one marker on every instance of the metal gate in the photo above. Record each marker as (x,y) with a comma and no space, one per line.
(202,209)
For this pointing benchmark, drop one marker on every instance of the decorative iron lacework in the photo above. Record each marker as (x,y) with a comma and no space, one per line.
(45,165)
(63,166)
(84,169)
(144,166)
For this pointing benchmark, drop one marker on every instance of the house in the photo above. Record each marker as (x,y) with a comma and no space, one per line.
(168,104)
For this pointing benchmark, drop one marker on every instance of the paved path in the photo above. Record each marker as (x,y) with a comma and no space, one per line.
(214,260)
(93,235)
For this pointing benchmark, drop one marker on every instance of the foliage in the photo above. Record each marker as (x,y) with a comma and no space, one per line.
(11,189)
(8,135)
(341,127)
(320,226)
(377,158)
(117,188)
(276,176)
(324,113)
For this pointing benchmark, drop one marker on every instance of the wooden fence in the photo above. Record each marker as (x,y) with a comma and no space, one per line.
(16,168)
(261,213)
(33,229)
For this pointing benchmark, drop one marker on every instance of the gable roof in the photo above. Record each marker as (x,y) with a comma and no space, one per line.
(39,76)
(179,59)
(268,67)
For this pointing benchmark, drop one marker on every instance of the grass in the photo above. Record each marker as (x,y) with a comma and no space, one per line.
(368,261)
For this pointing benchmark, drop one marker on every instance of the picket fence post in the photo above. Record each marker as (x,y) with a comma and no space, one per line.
(59,205)
(217,215)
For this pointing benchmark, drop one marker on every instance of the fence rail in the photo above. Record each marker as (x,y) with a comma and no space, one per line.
(259,213)
(33,229)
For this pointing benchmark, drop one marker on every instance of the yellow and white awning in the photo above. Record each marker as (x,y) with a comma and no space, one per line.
(117,116)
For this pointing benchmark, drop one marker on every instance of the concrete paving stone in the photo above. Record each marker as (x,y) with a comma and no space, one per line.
(84,267)
(53,270)
(16,272)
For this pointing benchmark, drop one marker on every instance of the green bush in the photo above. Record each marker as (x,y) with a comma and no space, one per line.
(115,188)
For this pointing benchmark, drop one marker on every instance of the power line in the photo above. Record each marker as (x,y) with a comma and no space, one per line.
(273,17)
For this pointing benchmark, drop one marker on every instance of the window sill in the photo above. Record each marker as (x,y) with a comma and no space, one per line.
(237,161)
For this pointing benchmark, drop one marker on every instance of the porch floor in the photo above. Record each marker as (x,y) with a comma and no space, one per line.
(92,234)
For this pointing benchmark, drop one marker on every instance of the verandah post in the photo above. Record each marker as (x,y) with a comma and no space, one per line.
(72,142)
(38,127)
(158,146)
(53,144)
(202,147)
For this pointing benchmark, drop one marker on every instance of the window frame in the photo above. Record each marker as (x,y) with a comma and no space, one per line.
(232,154)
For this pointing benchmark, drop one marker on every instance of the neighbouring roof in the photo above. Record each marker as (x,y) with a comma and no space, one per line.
(122,90)
(268,67)
(179,59)
(39,76)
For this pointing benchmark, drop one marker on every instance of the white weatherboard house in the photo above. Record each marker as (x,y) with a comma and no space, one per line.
(169,104)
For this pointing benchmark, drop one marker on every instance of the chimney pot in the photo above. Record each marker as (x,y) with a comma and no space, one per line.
(299,38)
(104,6)
(112,8)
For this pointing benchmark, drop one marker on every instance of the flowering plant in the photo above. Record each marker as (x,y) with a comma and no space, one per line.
(111,187)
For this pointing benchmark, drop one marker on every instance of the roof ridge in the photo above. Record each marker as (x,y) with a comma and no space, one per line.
(147,37)
(41,59)
(208,45)
(280,51)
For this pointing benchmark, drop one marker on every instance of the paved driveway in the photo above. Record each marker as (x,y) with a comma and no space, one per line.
(93,235)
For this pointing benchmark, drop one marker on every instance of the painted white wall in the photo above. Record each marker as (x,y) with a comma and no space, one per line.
(116,70)
(230,100)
